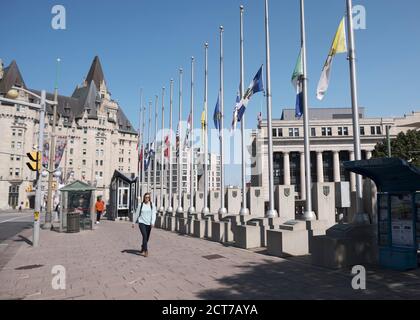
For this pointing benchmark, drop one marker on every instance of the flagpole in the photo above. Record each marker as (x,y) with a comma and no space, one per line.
(140,142)
(180,209)
(148,146)
(222,210)
(154,151)
(309,214)
(271,213)
(171,101)
(244,210)
(191,210)
(162,169)
(143,158)
(360,217)
(206,210)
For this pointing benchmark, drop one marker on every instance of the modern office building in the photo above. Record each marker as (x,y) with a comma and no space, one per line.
(213,169)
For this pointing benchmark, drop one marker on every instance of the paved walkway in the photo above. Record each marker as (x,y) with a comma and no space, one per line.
(105,264)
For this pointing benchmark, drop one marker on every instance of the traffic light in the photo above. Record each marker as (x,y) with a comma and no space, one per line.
(35,161)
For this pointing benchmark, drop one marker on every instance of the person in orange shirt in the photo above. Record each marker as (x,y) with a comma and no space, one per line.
(100,208)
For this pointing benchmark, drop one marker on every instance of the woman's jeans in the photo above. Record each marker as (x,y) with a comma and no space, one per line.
(145,232)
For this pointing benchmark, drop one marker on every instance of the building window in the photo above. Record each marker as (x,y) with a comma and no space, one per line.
(71,151)
(326,131)
(85,130)
(362,131)
(313,132)
(13,132)
(378,130)
(19,145)
(84,152)
(293,132)
(20,133)
(84,162)
(12,157)
(343,131)
(346,131)
(17,172)
(274,133)
(102,162)
(280,132)
(12,145)
(17,158)
(71,162)
(11,172)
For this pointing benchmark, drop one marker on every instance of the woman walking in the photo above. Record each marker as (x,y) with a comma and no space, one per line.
(145,216)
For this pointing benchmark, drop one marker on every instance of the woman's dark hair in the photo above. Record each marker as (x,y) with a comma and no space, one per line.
(144,197)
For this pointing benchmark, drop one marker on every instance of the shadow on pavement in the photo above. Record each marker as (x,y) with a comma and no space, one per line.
(134,252)
(23,239)
(287,280)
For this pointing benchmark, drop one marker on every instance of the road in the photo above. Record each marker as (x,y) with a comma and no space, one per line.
(13,223)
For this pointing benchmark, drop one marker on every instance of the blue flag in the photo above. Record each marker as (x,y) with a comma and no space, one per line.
(217,117)
(257,85)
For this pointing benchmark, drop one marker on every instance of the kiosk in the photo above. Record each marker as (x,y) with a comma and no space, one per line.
(398,184)
(78,207)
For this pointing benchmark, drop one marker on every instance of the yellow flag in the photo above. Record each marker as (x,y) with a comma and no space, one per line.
(339,45)
(203,120)
(203,126)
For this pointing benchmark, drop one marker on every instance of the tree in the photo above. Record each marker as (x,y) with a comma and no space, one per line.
(406,146)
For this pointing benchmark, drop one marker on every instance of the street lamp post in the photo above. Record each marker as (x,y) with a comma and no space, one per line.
(51,164)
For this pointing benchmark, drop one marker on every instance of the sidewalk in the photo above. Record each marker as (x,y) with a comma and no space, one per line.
(105,264)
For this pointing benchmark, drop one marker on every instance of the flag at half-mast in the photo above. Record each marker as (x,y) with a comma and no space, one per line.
(177,141)
(168,145)
(217,116)
(187,134)
(236,112)
(297,81)
(203,126)
(339,45)
(257,85)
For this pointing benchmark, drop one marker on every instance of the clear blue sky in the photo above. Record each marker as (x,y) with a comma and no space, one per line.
(143,43)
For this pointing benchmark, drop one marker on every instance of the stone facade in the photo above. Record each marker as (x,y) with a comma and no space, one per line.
(100,138)
(331,144)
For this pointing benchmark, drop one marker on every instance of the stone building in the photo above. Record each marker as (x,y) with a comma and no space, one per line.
(331,132)
(98,136)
